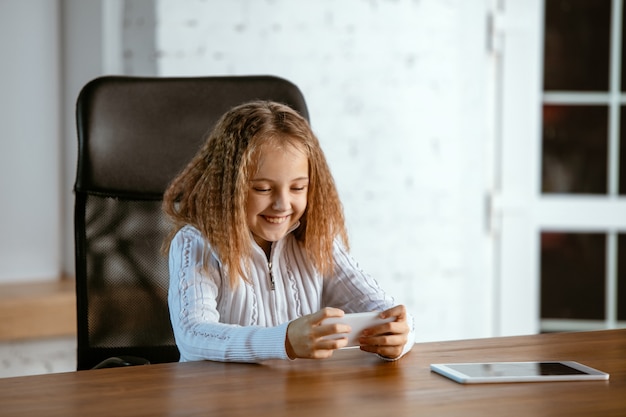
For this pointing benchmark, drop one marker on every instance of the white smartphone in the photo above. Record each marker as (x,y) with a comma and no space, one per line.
(488,372)
(357,322)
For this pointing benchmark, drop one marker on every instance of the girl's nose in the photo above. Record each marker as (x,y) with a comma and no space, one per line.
(281,202)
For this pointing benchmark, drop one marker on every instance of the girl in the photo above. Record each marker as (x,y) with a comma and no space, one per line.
(258,254)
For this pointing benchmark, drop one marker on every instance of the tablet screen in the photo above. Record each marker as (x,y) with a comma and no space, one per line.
(515,369)
(518,371)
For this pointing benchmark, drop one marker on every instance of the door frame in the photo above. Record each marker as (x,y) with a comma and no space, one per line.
(515,194)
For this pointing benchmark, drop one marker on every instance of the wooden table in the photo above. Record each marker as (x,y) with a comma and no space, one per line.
(352,384)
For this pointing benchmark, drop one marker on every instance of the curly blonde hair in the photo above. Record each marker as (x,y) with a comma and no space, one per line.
(211,193)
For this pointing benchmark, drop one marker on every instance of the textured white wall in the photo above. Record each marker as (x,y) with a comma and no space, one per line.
(30,171)
(396,95)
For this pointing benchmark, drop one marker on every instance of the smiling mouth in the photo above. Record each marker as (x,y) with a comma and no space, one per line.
(276,220)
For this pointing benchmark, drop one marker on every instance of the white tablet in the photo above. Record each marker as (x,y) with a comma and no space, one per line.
(357,322)
(487,372)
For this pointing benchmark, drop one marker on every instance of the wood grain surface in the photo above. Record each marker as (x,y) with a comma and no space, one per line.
(352,384)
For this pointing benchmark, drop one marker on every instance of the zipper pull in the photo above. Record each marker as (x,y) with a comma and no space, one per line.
(269,264)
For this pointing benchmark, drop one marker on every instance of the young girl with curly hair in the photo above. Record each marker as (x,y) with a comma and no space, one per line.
(258,252)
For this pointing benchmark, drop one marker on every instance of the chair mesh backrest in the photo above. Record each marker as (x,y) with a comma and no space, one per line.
(135,134)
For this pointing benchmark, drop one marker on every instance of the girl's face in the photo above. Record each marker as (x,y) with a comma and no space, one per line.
(277,194)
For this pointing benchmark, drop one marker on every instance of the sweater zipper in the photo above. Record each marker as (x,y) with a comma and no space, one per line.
(269,265)
(272,295)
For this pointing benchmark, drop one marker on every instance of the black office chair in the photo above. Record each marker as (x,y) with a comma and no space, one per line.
(134,135)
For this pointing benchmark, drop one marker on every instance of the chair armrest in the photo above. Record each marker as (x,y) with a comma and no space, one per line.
(119,361)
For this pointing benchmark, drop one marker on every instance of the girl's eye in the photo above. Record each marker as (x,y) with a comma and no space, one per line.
(261,190)
(298,188)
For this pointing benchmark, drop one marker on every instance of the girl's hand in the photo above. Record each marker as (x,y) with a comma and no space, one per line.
(305,335)
(387,339)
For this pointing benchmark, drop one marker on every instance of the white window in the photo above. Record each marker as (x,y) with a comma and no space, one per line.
(560,203)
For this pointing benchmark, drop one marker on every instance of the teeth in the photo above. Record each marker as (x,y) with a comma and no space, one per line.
(276,220)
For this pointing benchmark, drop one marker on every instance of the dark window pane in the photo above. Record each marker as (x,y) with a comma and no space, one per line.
(574,149)
(572,275)
(621,277)
(622,153)
(577,45)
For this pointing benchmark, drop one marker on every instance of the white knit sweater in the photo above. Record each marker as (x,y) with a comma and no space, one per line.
(249,324)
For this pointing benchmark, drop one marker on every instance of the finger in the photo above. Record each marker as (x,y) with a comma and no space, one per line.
(321,354)
(398,311)
(325,313)
(331,344)
(324,348)
(327,331)
(328,322)
(331,328)
(391,352)
(394,327)
(389,340)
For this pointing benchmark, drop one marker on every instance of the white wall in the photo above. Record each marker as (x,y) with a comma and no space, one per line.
(30,180)
(49,50)
(397,96)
